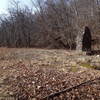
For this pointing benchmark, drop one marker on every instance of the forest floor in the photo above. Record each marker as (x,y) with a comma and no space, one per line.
(38,73)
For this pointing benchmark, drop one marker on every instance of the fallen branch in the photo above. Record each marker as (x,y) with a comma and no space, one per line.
(69,89)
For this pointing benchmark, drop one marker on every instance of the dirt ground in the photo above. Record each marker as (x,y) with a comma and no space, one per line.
(38,73)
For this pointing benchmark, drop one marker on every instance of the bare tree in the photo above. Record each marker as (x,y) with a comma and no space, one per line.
(54,23)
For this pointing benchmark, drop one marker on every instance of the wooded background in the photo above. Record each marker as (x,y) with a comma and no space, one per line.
(51,24)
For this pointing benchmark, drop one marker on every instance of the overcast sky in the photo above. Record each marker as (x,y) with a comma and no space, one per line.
(5,3)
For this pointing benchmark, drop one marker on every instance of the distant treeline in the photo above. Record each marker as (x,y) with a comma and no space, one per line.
(51,24)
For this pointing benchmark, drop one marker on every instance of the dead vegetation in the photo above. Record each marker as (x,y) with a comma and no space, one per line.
(52,23)
(38,73)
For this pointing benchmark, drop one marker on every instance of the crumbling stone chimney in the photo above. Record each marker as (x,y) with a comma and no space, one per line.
(83,40)
(79,39)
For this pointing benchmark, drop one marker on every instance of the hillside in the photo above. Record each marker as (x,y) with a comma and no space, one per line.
(38,73)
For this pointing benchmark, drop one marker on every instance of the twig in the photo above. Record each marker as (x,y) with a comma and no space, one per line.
(69,89)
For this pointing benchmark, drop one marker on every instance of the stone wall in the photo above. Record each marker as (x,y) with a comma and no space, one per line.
(95,41)
(79,39)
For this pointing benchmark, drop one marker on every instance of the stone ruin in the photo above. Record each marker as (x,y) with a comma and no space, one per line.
(83,40)
(79,39)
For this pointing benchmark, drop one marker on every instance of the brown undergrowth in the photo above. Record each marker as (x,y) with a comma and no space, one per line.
(37,73)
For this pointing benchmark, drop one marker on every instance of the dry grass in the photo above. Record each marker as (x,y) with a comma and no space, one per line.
(40,72)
